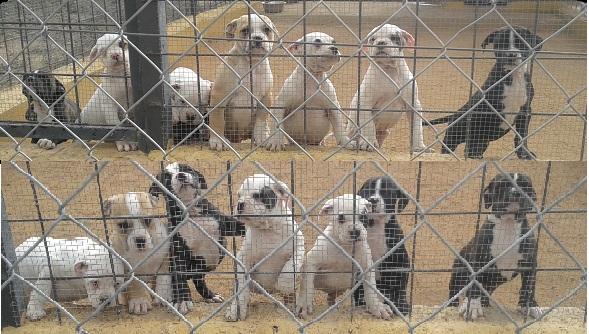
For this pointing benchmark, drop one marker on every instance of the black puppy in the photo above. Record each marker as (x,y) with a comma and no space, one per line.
(193,253)
(511,97)
(50,90)
(503,227)
(383,234)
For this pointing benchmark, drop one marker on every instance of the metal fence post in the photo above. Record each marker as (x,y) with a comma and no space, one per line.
(13,294)
(144,31)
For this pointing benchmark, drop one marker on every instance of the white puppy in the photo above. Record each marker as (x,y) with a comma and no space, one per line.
(81,258)
(377,91)
(102,109)
(322,109)
(186,82)
(347,230)
(263,208)
(135,236)
(233,116)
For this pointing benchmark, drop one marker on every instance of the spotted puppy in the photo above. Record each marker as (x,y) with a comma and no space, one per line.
(328,269)
(133,235)
(263,207)
(506,223)
(509,91)
(322,110)
(192,250)
(383,233)
(81,266)
(40,89)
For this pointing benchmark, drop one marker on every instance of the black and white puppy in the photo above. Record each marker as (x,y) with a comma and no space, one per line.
(49,90)
(511,96)
(193,253)
(384,232)
(506,223)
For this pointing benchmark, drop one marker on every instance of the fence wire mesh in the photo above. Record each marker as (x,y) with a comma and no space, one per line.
(95,248)
(319,79)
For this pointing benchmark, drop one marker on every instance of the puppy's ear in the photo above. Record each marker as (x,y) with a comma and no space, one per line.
(489,40)
(80,268)
(107,206)
(153,199)
(281,191)
(297,46)
(529,190)
(176,86)
(408,38)
(57,88)
(95,52)
(489,192)
(327,208)
(401,199)
(230,29)
(154,189)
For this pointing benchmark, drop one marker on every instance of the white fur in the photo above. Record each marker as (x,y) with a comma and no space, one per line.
(505,233)
(514,96)
(187,82)
(263,235)
(322,109)
(472,311)
(102,109)
(80,257)
(377,90)
(325,257)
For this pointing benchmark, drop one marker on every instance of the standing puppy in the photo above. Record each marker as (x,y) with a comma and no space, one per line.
(133,237)
(232,117)
(81,268)
(511,96)
(327,269)
(377,91)
(503,227)
(186,103)
(383,233)
(192,250)
(263,207)
(323,109)
(101,109)
(49,90)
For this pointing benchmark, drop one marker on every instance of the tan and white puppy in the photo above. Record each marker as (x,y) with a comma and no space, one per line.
(323,109)
(232,118)
(327,269)
(102,109)
(263,208)
(377,91)
(133,236)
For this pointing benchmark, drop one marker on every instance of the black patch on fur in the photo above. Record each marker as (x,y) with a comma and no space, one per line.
(267,196)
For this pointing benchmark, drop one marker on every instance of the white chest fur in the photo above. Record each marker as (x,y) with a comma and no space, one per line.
(505,233)
(377,239)
(198,242)
(514,96)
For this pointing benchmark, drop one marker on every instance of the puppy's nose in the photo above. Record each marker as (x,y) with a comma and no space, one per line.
(240,207)
(381,43)
(257,38)
(181,177)
(115,57)
(103,298)
(354,234)
(373,200)
(140,242)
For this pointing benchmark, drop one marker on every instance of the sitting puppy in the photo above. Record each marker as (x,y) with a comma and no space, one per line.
(192,250)
(511,96)
(102,109)
(377,91)
(49,90)
(384,233)
(326,268)
(82,259)
(503,227)
(263,207)
(322,109)
(135,236)
(186,104)
(232,117)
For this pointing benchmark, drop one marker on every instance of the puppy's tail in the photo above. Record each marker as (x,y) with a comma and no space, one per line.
(442,120)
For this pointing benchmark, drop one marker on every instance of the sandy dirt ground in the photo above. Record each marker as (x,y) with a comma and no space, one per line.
(442,87)
(454,218)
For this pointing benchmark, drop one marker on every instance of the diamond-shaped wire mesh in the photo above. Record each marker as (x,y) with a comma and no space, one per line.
(418,221)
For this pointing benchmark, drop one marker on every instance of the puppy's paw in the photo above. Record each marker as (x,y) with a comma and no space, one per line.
(35,312)
(381,311)
(365,144)
(526,154)
(184,307)
(231,314)
(534,312)
(472,310)
(303,310)
(126,146)
(139,305)
(216,144)
(165,292)
(275,143)
(215,299)
(420,149)
(347,143)
(46,144)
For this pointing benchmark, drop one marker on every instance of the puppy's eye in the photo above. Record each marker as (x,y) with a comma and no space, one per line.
(124,226)
(147,221)
(267,30)
(245,31)
(341,219)
(94,284)
(318,41)
(182,101)
(122,44)
(396,39)
(371,40)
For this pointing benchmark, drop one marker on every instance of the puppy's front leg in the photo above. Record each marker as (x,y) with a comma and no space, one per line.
(527,301)
(307,290)
(163,285)
(35,310)
(217,119)
(418,145)
(375,306)
(276,142)
(363,116)
(139,299)
(522,123)
(238,308)
(260,132)
(338,124)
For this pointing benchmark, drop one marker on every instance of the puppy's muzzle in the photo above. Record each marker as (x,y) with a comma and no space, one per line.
(257,41)
(141,243)
(102,299)
(334,50)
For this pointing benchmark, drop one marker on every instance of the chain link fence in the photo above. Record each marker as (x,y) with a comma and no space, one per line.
(175,51)
(437,215)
